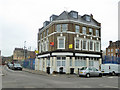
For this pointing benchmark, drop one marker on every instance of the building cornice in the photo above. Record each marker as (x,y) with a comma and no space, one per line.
(68,21)
(69,32)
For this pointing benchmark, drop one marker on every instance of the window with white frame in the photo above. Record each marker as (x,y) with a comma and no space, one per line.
(58,27)
(97,46)
(97,33)
(64,27)
(44,46)
(77,29)
(48,62)
(84,62)
(43,63)
(76,61)
(111,54)
(47,45)
(40,47)
(70,61)
(61,42)
(84,45)
(41,35)
(111,50)
(116,50)
(44,34)
(79,61)
(58,61)
(52,61)
(91,62)
(61,61)
(84,30)
(91,46)
(90,31)
(77,43)
(47,31)
(108,50)
(108,54)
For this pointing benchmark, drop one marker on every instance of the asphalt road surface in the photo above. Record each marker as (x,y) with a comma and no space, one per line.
(22,79)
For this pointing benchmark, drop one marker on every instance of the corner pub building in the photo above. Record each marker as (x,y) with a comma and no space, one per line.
(68,42)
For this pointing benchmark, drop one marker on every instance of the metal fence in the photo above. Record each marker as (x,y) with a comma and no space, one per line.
(29,64)
(111,59)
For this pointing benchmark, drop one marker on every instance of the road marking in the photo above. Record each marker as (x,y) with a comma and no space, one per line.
(112,77)
(54,75)
(102,85)
(29,87)
(110,87)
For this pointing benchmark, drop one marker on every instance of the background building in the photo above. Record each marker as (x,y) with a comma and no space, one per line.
(68,42)
(21,54)
(112,53)
(113,48)
(0,58)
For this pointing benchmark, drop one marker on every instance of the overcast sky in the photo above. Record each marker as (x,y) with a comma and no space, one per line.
(21,19)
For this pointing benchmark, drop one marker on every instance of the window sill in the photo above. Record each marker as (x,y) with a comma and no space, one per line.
(60,48)
(77,49)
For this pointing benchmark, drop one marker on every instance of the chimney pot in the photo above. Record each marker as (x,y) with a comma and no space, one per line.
(110,42)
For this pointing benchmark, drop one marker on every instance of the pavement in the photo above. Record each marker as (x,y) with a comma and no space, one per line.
(35,71)
(46,74)
(1,71)
(27,79)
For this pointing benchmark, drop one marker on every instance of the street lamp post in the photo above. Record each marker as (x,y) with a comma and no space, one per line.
(24,50)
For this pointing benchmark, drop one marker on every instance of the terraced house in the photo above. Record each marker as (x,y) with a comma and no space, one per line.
(68,42)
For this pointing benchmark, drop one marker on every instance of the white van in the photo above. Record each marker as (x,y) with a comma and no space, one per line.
(110,69)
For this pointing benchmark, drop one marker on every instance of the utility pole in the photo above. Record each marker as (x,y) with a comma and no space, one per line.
(24,50)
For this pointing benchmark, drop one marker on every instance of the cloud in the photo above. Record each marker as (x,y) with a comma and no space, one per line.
(21,19)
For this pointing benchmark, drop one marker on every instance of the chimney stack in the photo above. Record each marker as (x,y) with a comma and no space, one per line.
(110,42)
(91,15)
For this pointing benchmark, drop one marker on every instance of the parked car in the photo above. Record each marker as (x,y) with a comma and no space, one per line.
(89,71)
(110,69)
(17,66)
(10,66)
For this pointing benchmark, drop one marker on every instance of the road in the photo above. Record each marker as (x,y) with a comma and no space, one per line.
(0,77)
(22,79)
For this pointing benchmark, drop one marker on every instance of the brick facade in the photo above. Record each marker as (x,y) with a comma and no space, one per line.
(55,55)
